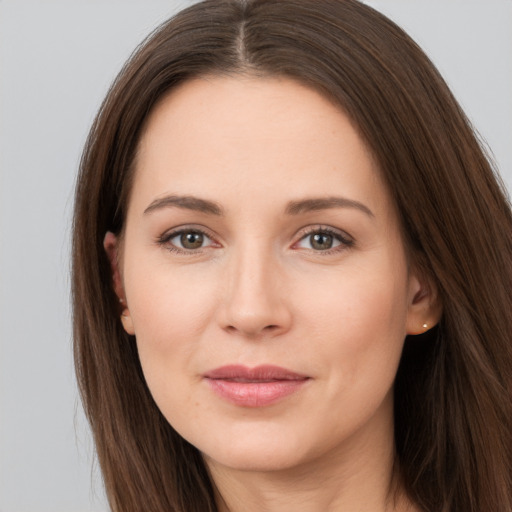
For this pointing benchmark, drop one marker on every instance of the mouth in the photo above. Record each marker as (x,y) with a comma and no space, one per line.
(254,387)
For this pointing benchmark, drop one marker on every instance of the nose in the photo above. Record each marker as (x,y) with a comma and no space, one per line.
(255,303)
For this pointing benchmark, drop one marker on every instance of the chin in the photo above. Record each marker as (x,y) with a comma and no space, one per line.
(256,452)
(261,460)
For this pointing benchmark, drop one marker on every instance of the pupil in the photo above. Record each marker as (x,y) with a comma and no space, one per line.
(191,240)
(321,241)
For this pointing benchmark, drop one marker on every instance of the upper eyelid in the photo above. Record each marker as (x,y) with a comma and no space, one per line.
(309,230)
(171,233)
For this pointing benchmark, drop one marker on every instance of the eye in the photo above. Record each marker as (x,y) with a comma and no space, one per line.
(189,240)
(324,240)
(185,240)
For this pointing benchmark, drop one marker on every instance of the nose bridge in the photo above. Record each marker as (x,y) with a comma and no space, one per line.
(254,302)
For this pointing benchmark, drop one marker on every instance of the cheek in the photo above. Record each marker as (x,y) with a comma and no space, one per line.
(166,299)
(356,303)
(357,329)
(170,311)
(358,321)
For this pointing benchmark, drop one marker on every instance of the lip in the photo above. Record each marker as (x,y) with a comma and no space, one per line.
(254,387)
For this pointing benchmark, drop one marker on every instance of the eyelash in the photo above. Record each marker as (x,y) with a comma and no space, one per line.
(345,240)
(166,238)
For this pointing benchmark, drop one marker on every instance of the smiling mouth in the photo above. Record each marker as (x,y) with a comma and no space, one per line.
(254,387)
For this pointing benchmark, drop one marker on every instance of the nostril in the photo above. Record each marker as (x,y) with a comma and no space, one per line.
(252,331)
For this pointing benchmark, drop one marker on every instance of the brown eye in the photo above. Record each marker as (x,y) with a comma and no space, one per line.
(324,239)
(191,240)
(186,241)
(321,241)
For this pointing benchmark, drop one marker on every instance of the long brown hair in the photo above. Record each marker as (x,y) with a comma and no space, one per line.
(453,392)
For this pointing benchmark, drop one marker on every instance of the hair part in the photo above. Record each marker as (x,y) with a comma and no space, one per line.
(453,392)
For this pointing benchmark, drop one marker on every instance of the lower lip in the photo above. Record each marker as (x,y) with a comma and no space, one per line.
(255,394)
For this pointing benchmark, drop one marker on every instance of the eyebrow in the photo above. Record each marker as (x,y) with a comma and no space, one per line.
(186,202)
(292,208)
(325,203)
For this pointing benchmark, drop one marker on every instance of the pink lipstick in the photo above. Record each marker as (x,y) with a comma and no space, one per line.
(254,387)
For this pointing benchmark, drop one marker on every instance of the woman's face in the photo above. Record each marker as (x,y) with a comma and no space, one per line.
(264,274)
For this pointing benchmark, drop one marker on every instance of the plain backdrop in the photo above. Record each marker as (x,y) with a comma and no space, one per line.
(57,59)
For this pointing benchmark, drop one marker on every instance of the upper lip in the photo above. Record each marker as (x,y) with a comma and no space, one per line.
(262,373)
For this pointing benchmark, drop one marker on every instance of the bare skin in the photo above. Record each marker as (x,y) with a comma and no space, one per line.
(259,232)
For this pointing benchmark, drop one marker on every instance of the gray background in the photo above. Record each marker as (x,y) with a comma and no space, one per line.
(57,59)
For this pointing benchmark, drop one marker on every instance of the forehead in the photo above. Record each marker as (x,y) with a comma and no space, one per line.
(272,134)
(238,105)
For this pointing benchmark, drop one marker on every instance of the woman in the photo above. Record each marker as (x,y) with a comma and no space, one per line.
(292,272)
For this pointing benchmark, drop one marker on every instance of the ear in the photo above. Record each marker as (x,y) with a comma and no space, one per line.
(111,246)
(425,306)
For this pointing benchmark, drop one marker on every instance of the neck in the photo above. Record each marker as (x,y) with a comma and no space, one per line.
(354,477)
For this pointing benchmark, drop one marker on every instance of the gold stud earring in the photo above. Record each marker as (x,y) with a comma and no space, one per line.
(424,326)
